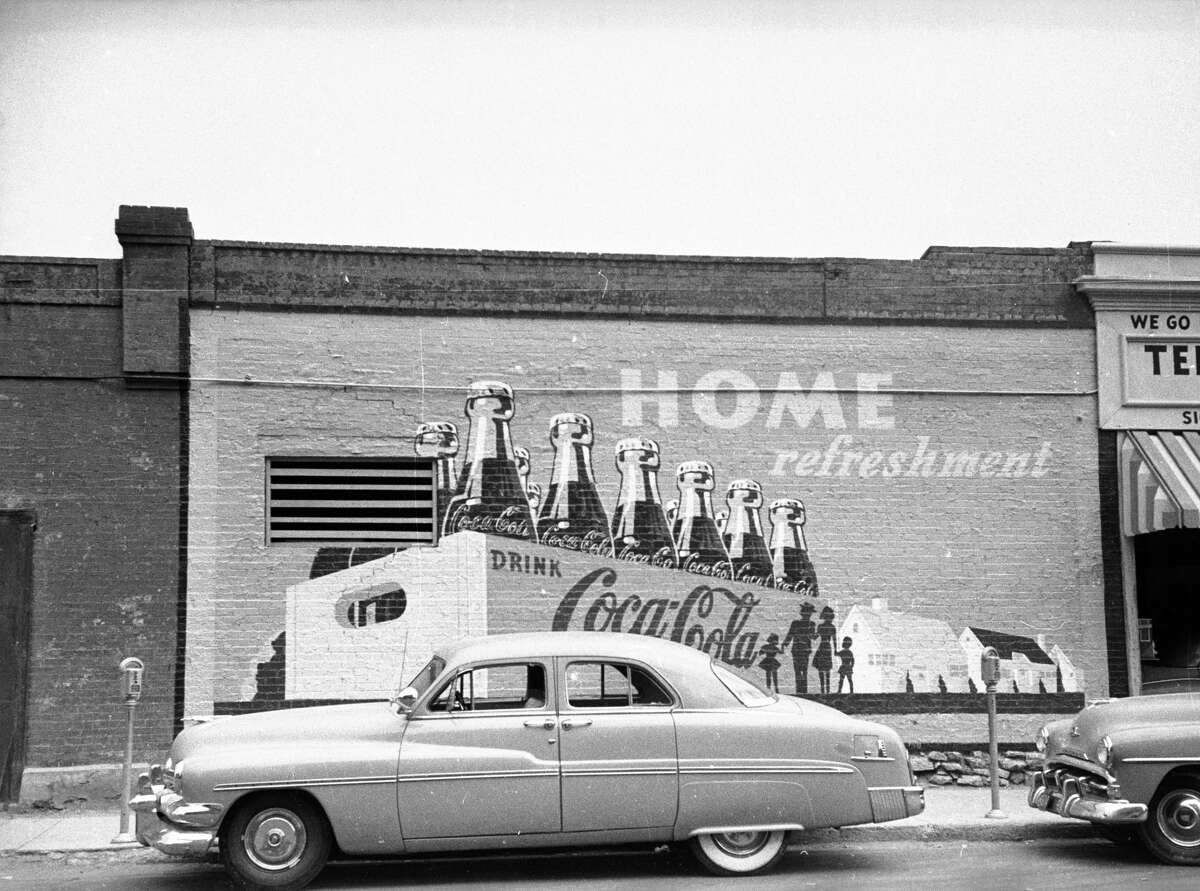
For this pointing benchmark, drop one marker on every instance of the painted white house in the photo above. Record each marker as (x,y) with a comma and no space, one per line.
(892,649)
(1023,661)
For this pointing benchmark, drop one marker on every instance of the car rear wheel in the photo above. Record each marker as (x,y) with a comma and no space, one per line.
(275,841)
(739,853)
(1172,829)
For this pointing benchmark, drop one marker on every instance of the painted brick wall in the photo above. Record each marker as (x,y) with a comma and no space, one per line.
(100,466)
(1022,551)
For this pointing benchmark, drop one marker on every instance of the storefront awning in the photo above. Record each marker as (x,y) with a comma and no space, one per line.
(1160,480)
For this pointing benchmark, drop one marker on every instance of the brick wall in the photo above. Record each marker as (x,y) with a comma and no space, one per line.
(99,464)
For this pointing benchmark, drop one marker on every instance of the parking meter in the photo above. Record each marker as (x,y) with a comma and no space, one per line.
(989,666)
(989,670)
(131,679)
(131,669)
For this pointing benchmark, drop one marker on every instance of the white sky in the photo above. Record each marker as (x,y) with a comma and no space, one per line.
(800,129)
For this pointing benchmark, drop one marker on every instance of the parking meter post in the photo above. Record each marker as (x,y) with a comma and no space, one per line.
(990,671)
(131,687)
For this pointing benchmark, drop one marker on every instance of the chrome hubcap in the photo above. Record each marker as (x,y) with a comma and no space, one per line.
(275,839)
(741,844)
(1179,817)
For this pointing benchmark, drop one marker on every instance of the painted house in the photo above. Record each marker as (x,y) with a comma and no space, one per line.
(893,648)
(1023,660)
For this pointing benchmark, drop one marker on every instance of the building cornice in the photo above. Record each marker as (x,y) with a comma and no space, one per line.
(1124,294)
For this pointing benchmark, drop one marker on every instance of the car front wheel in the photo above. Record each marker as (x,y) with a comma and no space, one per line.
(739,853)
(1172,829)
(275,841)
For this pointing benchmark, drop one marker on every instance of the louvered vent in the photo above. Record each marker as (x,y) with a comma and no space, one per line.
(351,501)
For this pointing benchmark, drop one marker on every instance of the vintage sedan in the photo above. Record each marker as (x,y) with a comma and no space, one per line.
(527,741)
(1132,768)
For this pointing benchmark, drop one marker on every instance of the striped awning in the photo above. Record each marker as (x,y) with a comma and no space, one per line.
(1160,480)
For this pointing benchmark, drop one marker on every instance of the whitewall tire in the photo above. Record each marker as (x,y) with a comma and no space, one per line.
(739,853)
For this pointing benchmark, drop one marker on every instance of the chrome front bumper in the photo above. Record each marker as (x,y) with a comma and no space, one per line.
(157,809)
(1062,793)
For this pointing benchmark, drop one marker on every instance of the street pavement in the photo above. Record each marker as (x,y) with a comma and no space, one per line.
(951,814)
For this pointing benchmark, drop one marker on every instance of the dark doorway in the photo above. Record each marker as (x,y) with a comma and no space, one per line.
(1168,593)
(16,606)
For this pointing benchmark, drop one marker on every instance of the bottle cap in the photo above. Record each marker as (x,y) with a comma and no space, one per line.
(747,485)
(636,444)
(571,417)
(489,388)
(694,467)
(521,452)
(437,427)
(787,504)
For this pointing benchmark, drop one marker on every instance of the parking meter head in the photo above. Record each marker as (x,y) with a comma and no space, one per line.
(989,666)
(131,679)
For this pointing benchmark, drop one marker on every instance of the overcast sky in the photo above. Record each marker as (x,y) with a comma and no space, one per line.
(802,129)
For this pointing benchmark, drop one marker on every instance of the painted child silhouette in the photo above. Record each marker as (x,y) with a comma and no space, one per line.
(769,662)
(846,669)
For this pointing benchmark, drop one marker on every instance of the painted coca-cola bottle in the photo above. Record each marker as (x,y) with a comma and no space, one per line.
(791,566)
(439,441)
(697,540)
(743,534)
(571,515)
(521,456)
(639,526)
(489,497)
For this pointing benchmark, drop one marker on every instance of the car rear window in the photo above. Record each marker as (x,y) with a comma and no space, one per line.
(747,691)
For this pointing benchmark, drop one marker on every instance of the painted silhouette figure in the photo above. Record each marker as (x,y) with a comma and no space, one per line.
(908,684)
(942,684)
(971,686)
(799,637)
(846,669)
(823,658)
(769,663)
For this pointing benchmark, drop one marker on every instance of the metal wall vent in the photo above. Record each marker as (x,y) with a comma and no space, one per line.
(351,501)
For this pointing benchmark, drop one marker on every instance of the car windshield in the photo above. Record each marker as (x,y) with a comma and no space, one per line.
(745,688)
(427,675)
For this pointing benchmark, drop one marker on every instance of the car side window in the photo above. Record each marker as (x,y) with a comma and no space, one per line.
(515,685)
(613,685)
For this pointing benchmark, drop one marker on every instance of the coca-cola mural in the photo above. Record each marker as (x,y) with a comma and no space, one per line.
(518,555)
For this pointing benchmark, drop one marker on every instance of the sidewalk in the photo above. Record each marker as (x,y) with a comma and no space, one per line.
(951,813)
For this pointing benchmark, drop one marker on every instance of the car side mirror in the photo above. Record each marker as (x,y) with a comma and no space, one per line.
(405,700)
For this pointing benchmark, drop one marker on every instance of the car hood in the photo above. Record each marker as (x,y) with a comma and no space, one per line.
(1079,735)
(293,725)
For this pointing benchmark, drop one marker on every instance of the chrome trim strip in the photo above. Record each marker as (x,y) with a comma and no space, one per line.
(619,771)
(797,769)
(491,775)
(1163,760)
(766,827)
(291,784)
(871,758)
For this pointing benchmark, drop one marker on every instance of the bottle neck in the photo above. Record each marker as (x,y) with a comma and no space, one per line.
(789,535)
(446,472)
(695,502)
(743,520)
(639,483)
(573,464)
(490,442)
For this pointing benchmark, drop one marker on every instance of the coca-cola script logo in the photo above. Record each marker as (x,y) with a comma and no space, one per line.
(663,557)
(591,542)
(683,621)
(745,573)
(513,522)
(700,566)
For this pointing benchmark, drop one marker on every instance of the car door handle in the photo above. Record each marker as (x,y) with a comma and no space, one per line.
(571,724)
(545,724)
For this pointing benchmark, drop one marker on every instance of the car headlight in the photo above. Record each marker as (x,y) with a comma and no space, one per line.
(1104,752)
(1043,737)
